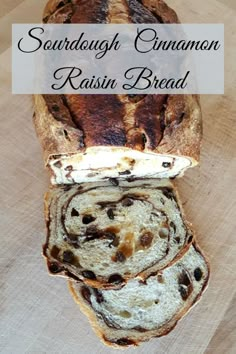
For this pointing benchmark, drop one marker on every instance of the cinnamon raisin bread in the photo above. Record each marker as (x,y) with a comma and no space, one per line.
(144,309)
(96,137)
(104,234)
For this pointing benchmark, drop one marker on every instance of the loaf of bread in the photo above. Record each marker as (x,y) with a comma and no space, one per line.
(96,137)
(104,234)
(144,309)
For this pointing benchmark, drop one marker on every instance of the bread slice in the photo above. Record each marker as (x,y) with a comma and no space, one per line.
(87,138)
(105,234)
(144,309)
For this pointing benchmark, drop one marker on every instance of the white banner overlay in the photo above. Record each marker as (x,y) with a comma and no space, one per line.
(118,59)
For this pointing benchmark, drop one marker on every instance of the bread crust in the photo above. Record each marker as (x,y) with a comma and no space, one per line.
(65,123)
(86,309)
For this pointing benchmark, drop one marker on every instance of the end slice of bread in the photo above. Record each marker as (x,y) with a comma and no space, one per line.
(144,309)
(105,234)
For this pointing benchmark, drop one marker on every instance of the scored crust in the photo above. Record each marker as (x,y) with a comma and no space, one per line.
(149,124)
(121,338)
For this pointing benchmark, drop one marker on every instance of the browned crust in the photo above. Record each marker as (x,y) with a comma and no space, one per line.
(161,125)
(148,118)
(161,9)
(90,313)
(56,136)
(158,7)
(103,283)
(90,12)
(105,112)
(52,6)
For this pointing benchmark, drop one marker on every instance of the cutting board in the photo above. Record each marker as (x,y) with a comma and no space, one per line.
(37,313)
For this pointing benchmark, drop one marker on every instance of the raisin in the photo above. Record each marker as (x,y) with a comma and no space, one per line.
(69,168)
(115,242)
(92,229)
(127,172)
(166,164)
(91,237)
(66,188)
(184,279)
(92,234)
(85,292)
(140,329)
(183,292)
(190,239)
(146,239)
(54,268)
(130,179)
(119,257)
(115,279)
(124,341)
(99,296)
(168,193)
(127,202)
(89,274)
(114,181)
(55,251)
(198,274)
(68,256)
(87,219)
(58,164)
(110,214)
(74,212)
(173,226)
(110,235)
(72,240)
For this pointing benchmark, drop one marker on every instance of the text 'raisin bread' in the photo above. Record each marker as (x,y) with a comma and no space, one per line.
(120,235)
(105,234)
(95,137)
(144,309)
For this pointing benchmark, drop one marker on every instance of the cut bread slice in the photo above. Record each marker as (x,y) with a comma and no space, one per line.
(104,233)
(144,309)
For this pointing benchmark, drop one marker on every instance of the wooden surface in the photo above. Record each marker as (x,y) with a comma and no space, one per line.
(37,313)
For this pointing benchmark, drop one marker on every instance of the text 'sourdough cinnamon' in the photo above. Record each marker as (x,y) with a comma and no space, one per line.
(115,224)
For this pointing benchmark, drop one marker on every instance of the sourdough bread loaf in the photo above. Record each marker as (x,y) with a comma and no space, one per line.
(144,309)
(115,225)
(96,137)
(104,234)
